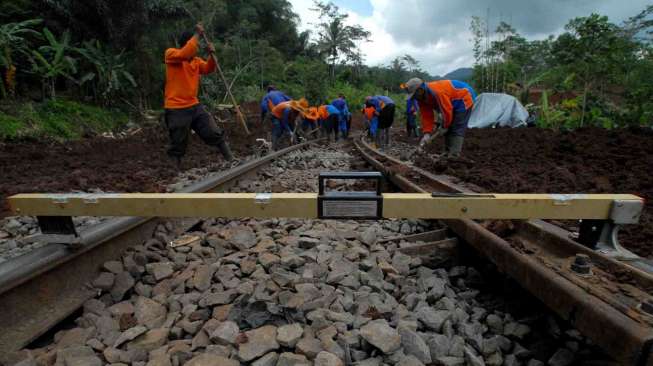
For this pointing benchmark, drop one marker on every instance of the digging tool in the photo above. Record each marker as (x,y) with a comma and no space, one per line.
(241,116)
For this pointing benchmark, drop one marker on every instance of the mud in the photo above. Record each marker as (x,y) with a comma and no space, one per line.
(531,160)
(137,163)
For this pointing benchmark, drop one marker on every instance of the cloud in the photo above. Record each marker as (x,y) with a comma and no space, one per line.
(436,32)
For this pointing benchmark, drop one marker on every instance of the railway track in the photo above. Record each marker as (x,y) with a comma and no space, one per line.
(46,286)
(609,306)
(42,288)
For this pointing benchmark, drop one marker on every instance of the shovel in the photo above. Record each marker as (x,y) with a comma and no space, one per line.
(241,117)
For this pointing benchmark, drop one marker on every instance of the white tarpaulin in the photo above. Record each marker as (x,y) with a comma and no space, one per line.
(497,109)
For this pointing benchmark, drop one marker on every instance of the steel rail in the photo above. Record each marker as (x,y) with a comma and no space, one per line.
(45,286)
(605,306)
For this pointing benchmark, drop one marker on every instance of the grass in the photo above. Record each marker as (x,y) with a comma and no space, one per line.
(59,119)
(9,126)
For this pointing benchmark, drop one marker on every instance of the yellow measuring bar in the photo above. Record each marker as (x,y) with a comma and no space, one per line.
(621,208)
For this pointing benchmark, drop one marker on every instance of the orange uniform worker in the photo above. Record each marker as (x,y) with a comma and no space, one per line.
(309,123)
(183,110)
(283,119)
(453,99)
(329,118)
(371,119)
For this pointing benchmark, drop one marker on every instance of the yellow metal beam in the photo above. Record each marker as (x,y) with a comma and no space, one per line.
(503,206)
(168,205)
(304,205)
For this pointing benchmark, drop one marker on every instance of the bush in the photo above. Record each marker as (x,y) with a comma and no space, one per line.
(58,119)
(9,127)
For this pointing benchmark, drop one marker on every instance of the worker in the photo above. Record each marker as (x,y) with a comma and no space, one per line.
(283,119)
(183,110)
(366,121)
(372,121)
(310,122)
(270,100)
(384,110)
(453,99)
(411,117)
(323,115)
(330,117)
(344,121)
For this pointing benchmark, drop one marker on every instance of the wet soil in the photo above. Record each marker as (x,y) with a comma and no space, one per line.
(137,163)
(532,160)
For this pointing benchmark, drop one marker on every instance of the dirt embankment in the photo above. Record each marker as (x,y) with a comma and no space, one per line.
(137,163)
(589,160)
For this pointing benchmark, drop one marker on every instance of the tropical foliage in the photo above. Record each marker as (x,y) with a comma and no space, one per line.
(603,70)
(109,53)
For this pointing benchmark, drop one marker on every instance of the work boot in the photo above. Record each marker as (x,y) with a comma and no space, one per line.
(425,140)
(176,162)
(455,146)
(226,151)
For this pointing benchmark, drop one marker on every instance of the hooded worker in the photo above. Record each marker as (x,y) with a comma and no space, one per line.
(283,119)
(271,99)
(411,117)
(384,109)
(183,110)
(453,99)
(371,119)
(309,122)
(329,117)
(344,121)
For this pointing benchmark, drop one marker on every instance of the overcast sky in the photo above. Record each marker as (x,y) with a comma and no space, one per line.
(436,32)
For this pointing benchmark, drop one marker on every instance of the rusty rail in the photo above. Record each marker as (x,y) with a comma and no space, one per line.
(43,287)
(604,306)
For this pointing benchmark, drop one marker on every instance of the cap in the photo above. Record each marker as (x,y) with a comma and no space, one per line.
(411,86)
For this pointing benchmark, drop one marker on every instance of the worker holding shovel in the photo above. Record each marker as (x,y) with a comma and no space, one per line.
(284,115)
(451,98)
(183,110)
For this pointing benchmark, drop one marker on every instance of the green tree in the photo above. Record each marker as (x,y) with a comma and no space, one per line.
(641,25)
(337,41)
(109,76)
(594,53)
(13,40)
(52,61)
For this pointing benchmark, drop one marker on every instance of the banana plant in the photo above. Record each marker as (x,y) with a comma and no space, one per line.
(52,62)
(13,41)
(109,76)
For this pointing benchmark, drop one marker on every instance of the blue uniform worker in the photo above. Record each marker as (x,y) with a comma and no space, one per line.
(341,104)
(385,110)
(270,100)
(332,122)
(411,117)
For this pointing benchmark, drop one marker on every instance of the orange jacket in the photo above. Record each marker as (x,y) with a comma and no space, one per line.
(323,112)
(445,96)
(369,113)
(278,109)
(183,71)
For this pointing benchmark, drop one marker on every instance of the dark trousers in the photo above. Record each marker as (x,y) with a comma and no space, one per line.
(411,125)
(454,138)
(387,116)
(459,123)
(331,126)
(181,121)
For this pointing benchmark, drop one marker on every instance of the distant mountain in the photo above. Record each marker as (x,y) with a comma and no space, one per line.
(462,74)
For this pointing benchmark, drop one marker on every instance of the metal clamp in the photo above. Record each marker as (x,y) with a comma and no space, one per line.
(602,235)
(361,205)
